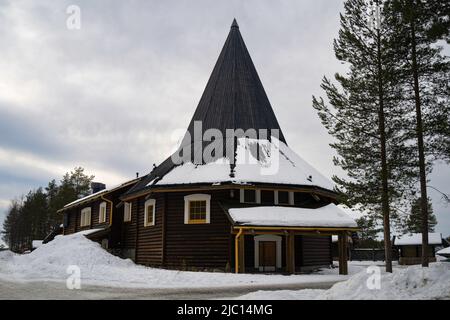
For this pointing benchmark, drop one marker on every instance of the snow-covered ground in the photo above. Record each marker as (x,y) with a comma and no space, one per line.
(50,262)
(46,267)
(413,282)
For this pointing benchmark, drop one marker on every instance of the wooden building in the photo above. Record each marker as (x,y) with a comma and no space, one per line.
(410,247)
(259,208)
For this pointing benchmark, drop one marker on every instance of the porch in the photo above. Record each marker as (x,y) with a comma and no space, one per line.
(279,239)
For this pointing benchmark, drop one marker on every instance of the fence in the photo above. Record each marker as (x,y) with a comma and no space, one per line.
(370,254)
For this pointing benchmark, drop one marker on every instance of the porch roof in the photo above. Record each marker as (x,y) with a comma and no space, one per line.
(329,216)
(415,239)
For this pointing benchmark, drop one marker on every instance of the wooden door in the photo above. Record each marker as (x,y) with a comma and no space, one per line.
(267,255)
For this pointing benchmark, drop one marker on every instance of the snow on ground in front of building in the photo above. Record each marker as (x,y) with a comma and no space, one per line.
(413,282)
(50,262)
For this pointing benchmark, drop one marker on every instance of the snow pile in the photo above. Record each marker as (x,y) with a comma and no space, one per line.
(50,262)
(52,259)
(413,282)
(326,216)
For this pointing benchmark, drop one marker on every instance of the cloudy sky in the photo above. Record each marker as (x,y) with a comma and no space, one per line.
(109,96)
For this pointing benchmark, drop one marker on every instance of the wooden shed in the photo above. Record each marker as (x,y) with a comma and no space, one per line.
(410,247)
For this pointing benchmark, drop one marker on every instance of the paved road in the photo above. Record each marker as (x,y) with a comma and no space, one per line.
(58,290)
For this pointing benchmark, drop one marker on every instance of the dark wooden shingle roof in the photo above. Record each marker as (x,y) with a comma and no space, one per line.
(234,98)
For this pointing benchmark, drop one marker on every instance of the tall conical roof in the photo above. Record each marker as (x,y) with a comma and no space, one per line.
(234,97)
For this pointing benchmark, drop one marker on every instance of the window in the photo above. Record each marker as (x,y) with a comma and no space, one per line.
(197,208)
(268,196)
(102,213)
(250,196)
(127,212)
(149,213)
(85,217)
(284,197)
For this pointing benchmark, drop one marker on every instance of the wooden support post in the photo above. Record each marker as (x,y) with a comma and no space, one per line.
(242,254)
(290,252)
(342,243)
(237,251)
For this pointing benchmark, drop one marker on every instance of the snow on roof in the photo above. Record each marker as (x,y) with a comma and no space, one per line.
(99,193)
(416,239)
(445,251)
(327,216)
(36,243)
(289,167)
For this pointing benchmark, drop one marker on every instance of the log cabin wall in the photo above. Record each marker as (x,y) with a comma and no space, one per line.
(129,231)
(74,224)
(149,244)
(315,251)
(197,246)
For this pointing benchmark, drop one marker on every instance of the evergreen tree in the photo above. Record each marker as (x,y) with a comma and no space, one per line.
(364,115)
(11,233)
(413,223)
(425,74)
(368,228)
(34,217)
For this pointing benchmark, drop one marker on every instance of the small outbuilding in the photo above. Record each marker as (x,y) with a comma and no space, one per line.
(410,247)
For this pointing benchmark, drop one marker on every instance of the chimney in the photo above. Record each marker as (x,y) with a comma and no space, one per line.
(97,186)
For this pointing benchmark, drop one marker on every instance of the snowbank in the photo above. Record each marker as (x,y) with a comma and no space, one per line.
(50,262)
(413,282)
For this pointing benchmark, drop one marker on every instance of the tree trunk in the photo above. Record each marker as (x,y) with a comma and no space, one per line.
(384,167)
(421,149)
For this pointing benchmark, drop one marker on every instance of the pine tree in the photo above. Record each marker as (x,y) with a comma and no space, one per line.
(425,74)
(364,116)
(413,223)
(33,217)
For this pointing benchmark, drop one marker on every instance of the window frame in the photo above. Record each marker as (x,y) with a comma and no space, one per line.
(85,217)
(257,195)
(100,207)
(291,201)
(149,202)
(197,197)
(127,210)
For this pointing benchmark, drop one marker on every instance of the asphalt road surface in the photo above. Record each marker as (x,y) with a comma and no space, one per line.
(58,291)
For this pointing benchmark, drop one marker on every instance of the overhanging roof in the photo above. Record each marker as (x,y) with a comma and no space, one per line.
(329,216)
(415,239)
(98,194)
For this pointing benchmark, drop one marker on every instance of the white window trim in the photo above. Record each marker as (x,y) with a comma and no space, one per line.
(100,218)
(85,217)
(127,209)
(257,196)
(268,237)
(291,198)
(197,197)
(148,203)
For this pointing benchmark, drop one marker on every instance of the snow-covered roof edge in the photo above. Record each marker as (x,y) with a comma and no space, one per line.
(415,239)
(290,168)
(99,193)
(329,216)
